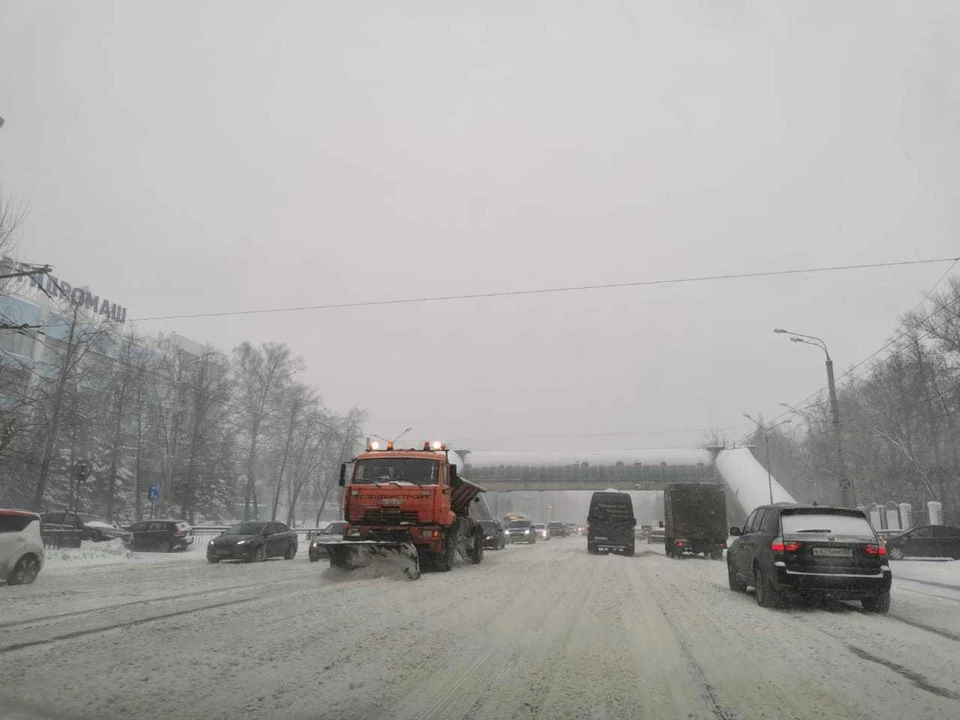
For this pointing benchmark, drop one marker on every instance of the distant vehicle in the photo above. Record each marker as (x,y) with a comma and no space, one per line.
(21,547)
(657,535)
(253,542)
(333,531)
(611,523)
(572,528)
(494,537)
(788,551)
(543,532)
(68,529)
(557,529)
(520,531)
(695,519)
(643,532)
(161,535)
(925,541)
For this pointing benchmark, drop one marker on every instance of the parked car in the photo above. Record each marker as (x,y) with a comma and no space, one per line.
(543,532)
(494,537)
(68,529)
(787,551)
(657,536)
(557,529)
(611,523)
(520,531)
(21,547)
(253,542)
(925,541)
(161,535)
(333,531)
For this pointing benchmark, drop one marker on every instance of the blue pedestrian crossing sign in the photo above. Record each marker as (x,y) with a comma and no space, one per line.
(154,492)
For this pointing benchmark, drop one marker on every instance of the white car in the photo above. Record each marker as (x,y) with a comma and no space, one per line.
(543,532)
(21,548)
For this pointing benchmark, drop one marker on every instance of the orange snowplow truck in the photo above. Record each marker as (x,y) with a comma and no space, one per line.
(410,504)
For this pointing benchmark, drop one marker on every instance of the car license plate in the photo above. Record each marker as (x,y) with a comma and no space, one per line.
(833,552)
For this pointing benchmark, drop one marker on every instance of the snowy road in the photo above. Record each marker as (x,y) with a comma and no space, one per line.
(546,631)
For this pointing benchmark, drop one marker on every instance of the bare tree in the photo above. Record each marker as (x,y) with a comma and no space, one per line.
(260,375)
(81,336)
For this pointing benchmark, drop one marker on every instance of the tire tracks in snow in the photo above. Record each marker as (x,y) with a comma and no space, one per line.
(12,647)
(133,603)
(438,710)
(708,691)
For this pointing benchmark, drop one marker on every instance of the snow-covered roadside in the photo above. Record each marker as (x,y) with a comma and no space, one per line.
(91,554)
(945,572)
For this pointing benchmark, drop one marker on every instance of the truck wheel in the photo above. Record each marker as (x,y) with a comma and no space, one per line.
(629,551)
(449,550)
(476,557)
(592,549)
(716,554)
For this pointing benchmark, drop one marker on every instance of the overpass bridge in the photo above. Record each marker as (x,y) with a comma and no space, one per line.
(629,470)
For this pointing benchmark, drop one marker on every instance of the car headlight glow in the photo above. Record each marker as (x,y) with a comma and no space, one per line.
(526,532)
(241,542)
(210,543)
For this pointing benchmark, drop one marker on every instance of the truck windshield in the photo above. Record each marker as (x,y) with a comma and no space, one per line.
(416,471)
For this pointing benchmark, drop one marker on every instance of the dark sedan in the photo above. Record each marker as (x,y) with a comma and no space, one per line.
(798,551)
(557,529)
(925,541)
(253,542)
(333,531)
(493,535)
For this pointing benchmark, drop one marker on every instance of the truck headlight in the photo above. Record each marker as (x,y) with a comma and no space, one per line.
(526,532)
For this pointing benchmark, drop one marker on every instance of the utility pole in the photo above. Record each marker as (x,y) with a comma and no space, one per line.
(848,496)
(766,444)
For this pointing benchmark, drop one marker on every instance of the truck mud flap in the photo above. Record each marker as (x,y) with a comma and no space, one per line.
(353,554)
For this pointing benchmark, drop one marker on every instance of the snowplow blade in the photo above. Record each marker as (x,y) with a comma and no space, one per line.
(353,554)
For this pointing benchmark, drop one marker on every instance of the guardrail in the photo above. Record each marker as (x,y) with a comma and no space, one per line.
(203,534)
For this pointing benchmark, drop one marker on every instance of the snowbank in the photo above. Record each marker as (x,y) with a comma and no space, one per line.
(944,572)
(101,553)
(746,481)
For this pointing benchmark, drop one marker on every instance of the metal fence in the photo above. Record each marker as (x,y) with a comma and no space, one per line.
(203,534)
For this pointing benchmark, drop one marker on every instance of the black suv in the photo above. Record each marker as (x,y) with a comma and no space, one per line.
(557,529)
(161,535)
(787,551)
(611,523)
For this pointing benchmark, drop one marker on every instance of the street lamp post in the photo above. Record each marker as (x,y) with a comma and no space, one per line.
(766,444)
(848,497)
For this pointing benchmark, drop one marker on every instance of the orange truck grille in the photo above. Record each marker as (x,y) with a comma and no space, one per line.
(389,516)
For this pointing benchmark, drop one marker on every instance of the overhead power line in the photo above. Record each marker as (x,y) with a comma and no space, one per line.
(889,343)
(552,290)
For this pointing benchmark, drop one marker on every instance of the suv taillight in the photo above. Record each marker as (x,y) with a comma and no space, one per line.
(779,546)
(879,550)
(176,533)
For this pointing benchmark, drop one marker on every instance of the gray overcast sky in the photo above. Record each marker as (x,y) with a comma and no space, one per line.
(185,157)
